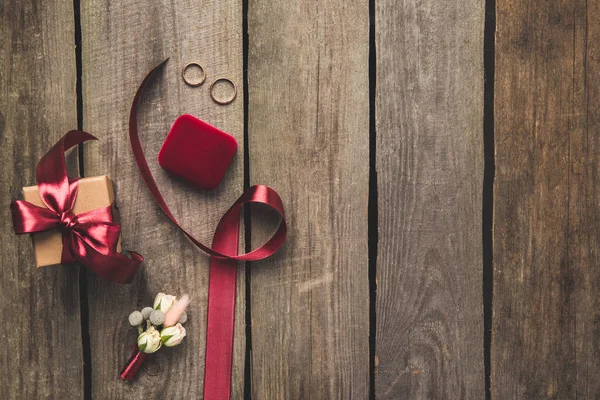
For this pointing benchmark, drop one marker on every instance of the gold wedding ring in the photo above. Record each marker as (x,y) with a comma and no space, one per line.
(227,101)
(202,78)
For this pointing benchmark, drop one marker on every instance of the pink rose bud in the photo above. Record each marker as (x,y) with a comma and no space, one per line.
(173,335)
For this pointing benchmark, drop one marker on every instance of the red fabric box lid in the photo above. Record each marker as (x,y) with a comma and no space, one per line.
(197,152)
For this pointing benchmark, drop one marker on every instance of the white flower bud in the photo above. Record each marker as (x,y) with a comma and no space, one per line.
(149,341)
(173,335)
(163,302)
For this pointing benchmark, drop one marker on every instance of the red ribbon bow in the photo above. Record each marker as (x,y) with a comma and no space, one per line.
(90,237)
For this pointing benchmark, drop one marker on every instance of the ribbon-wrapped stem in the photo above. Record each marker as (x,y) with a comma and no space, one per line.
(133,365)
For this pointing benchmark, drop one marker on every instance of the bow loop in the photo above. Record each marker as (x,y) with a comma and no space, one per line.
(29,218)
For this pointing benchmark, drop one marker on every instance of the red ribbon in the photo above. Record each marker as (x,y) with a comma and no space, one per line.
(90,237)
(223,262)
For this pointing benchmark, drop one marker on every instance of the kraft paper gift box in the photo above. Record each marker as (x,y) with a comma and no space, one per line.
(93,193)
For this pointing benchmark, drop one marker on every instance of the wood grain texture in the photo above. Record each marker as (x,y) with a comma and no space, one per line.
(308,138)
(545,341)
(429,115)
(122,41)
(41,354)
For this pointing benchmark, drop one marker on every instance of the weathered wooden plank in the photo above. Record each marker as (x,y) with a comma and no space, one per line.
(121,43)
(41,355)
(308,138)
(429,116)
(545,326)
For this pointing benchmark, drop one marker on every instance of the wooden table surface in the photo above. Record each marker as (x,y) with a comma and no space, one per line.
(438,164)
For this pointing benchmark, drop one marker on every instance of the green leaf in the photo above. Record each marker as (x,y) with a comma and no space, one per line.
(165,338)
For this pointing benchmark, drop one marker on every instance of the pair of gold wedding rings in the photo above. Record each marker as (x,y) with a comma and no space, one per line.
(212,85)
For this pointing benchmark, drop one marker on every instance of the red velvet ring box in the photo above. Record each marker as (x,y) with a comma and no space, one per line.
(197,152)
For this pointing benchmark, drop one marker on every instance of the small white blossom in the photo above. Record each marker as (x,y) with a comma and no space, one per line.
(149,341)
(163,302)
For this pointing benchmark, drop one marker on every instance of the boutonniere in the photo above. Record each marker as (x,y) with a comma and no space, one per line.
(158,326)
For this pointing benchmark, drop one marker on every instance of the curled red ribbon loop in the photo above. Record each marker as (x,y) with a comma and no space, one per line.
(224,257)
(90,237)
(254,194)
